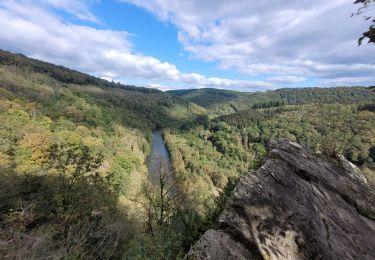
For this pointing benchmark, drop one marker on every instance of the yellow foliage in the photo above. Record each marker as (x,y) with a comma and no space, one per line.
(6,104)
(104,167)
(38,144)
(82,130)
(4,160)
(92,142)
(68,137)
(119,130)
(87,89)
(370,174)
(47,120)
(27,167)
(19,113)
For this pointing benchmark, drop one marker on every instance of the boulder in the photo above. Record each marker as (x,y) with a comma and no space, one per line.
(295,206)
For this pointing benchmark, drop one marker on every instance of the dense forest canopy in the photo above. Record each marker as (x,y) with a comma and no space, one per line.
(226,102)
(74,148)
(73,152)
(60,73)
(206,97)
(139,107)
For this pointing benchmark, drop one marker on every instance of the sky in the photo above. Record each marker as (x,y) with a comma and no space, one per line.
(244,45)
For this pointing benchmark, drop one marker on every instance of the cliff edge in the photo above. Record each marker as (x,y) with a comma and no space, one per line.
(296,206)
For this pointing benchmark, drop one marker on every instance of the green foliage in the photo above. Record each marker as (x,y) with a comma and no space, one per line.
(230,146)
(249,117)
(228,102)
(73,149)
(269,104)
(206,97)
(171,236)
(87,100)
(71,210)
(211,220)
(60,73)
(77,179)
(69,162)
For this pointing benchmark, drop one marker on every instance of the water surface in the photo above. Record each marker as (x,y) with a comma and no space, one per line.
(159,158)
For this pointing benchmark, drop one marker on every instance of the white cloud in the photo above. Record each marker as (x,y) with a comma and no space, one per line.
(296,38)
(78,8)
(201,81)
(286,79)
(286,43)
(33,30)
(159,86)
(348,81)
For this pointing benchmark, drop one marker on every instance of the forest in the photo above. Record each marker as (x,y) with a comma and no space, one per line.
(74,148)
(221,102)
(227,147)
(73,152)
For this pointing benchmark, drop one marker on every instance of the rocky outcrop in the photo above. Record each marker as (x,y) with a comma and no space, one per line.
(296,206)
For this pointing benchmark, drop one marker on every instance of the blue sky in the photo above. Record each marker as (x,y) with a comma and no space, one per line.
(242,44)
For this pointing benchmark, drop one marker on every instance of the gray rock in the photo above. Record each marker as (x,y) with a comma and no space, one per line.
(296,206)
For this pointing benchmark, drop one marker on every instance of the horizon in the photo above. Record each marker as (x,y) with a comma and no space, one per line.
(173,46)
(196,88)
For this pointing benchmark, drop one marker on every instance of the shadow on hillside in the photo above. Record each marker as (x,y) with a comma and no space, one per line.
(40,216)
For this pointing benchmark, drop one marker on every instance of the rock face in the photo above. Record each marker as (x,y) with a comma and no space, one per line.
(296,206)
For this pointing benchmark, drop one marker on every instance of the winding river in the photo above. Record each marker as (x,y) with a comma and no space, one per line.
(158,157)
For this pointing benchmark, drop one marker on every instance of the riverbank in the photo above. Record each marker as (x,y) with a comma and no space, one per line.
(159,158)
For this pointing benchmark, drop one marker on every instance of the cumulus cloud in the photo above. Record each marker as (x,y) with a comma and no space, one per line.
(286,79)
(202,81)
(33,30)
(297,38)
(284,43)
(349,81)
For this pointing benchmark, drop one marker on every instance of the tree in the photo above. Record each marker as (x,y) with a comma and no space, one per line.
(161,200)
(366,6)
(78,176)
(80,203)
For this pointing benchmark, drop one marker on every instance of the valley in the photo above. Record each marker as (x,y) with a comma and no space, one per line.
(92,169)
(187,130)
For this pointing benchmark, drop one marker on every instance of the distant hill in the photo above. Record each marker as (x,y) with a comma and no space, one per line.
(226,102)
(207,97)
(42,82)
(60,73)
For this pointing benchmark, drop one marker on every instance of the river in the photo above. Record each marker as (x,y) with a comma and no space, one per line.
(159,156)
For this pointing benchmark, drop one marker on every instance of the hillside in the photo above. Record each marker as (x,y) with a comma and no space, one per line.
(207,97)
(227,102)
(74,150)
(186,130)
(50,85)
(73,156)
